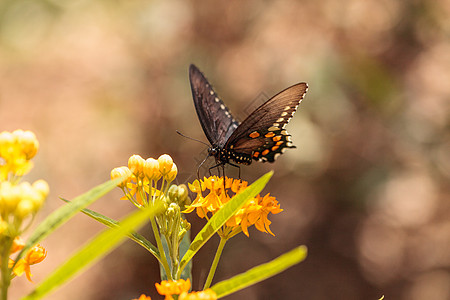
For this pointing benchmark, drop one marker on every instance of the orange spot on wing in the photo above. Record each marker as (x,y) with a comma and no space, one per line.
(254,134)
(256,154)
(277,138)
(270,134)
(279,143)
(265,152)
(274,148)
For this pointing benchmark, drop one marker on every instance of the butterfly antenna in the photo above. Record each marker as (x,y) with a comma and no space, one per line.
(188,137)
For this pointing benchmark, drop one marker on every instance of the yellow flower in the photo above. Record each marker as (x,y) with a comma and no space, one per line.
(35,255)
(120,172)
(168,288)
(165,164)
(172,173)
(16,149)
(254,212)
(136,165)
(143,297)
(151,169)
(27,140)
(207,294)
(143,185)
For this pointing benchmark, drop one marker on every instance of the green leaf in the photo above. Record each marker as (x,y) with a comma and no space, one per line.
(260,272)
(64,213)
(102,244)
(134,236)
(222,216)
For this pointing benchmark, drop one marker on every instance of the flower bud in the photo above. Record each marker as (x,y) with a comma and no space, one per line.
(173,193)
(151,169)
(136,165)
(28,142)
(29,193)
(10,196)
(36,255)
(172,174)
(121,172)
(41,186)
(24,208)
(165,164)
(182,194)
(6,144)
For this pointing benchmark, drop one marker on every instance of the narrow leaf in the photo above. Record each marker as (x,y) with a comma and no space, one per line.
(260,272)
(221,217)
(134,236)
(102,244)
(64,213)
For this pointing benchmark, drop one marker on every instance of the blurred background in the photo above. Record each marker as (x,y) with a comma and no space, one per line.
(367,189)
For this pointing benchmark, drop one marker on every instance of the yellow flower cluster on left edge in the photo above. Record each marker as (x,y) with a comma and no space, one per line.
(19,201)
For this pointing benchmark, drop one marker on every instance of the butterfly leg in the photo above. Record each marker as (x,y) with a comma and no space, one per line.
(200,165)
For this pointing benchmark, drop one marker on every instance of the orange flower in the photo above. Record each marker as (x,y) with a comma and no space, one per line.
(35,255)
(207,294)
(18,244)
(168,288)
(254,212)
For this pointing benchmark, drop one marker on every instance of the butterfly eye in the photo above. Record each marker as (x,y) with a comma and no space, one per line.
(212,151)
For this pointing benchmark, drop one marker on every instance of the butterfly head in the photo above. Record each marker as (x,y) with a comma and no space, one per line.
(213,151)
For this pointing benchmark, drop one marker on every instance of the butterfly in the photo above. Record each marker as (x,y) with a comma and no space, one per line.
(261,136)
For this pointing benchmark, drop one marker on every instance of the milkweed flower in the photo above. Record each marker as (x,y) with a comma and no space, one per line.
(17,148)
(149,184)
(35,255)
(207,294)
(168,287)
(254,212)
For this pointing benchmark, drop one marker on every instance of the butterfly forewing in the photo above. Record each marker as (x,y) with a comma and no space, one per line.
(215,118)
(263,135)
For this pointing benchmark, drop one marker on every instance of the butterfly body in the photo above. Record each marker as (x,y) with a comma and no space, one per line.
(261,136)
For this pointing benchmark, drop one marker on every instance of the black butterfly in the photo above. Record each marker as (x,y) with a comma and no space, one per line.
(261,136)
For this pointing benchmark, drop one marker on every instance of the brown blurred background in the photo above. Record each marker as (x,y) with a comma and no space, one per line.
(367,189)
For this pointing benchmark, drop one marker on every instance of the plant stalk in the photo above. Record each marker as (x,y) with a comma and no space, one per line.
(215,262)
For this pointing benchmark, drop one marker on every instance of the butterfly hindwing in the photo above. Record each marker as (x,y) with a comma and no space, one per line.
(215,118)
(262,135)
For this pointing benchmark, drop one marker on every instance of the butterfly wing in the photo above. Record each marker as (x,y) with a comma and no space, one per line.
(215,118)
(262,135)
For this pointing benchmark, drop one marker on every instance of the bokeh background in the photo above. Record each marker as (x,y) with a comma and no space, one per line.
(367,189)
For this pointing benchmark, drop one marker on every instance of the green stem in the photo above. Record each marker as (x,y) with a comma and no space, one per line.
(160,248)
(5,270)
(212,271)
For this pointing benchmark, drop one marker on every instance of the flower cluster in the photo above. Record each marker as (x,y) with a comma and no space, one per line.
(141,178)
(19,201)
(254,212)
(147,182)
(181,287)
(17,148)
